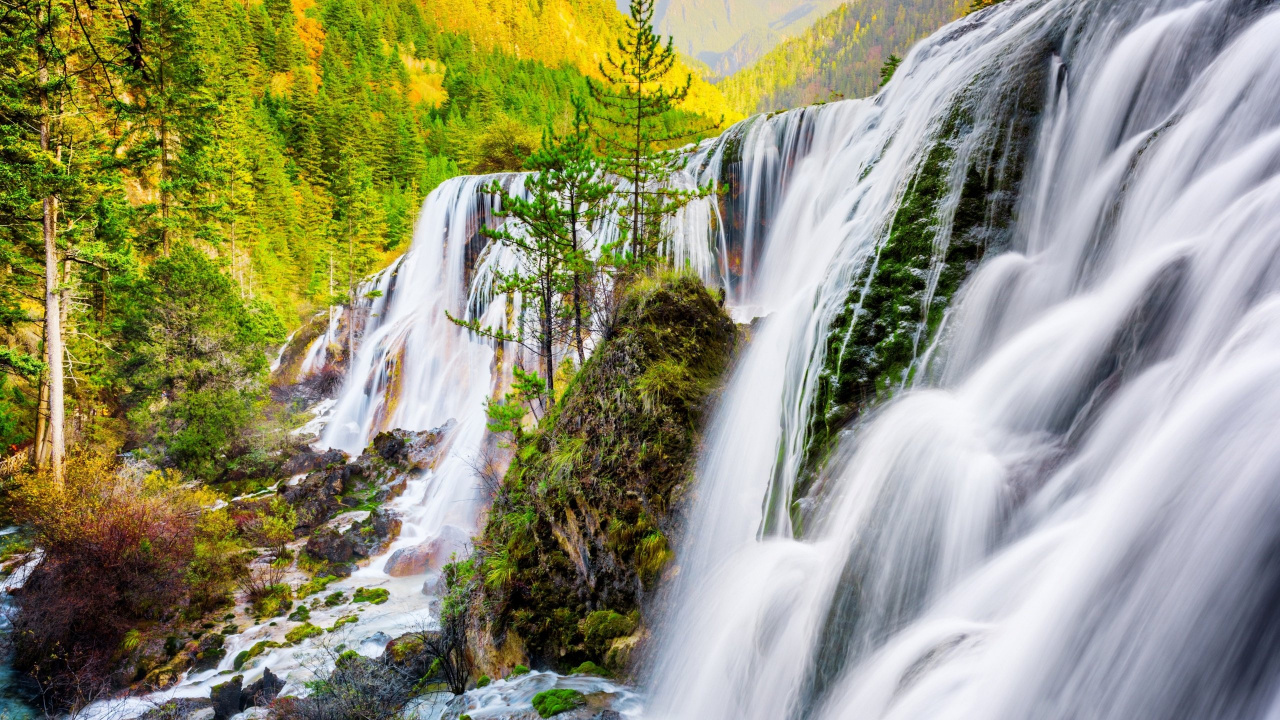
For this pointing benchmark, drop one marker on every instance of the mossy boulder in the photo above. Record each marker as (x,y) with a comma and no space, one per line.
(556,701)
(584,520)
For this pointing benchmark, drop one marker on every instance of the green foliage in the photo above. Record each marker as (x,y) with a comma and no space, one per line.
(374,596)
(845,53)
(300,614)
(887,70)
(483,681)
(635,105)
(519,670)
(335,599)
(275,601)
(556,701)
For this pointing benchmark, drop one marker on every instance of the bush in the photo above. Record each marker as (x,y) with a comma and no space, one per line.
(554,702)
(119,550)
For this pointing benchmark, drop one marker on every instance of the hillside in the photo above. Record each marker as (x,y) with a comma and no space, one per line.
(841,54)
(727,35)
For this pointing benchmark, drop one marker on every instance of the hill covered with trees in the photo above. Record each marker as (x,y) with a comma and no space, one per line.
(838,56)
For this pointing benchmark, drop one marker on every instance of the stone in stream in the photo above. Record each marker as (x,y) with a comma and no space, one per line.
(226,698)
(428,556)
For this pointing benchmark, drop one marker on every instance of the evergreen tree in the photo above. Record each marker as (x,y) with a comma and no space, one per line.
(637,120)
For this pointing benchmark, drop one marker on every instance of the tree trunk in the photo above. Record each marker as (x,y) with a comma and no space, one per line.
(577,281)
(52,293)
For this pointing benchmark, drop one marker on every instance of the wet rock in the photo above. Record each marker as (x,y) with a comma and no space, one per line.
(428,556)
(263,691)
(226,698)
(210,652)
(357,541)
(306,460)
(318,496)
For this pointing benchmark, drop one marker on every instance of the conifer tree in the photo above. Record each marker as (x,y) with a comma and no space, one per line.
(636,119)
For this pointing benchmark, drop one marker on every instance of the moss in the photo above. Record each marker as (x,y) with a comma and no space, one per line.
(602,626)
(556,701)
(258,648)
(300,614)
(896,303)
(314,585)
(590,668)
(302,632)
(483,681)
(335,599)
(375,596)
(519,670)
(344,620)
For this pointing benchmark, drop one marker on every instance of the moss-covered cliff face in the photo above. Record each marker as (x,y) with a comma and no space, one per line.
(580,530)
(959,205)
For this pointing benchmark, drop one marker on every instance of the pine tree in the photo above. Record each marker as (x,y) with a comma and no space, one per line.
(636,119)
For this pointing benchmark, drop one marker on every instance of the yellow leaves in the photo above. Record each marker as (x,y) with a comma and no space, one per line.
(426,80)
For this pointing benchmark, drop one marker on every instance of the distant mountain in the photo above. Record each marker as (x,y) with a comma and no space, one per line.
(727,35)
(841,54)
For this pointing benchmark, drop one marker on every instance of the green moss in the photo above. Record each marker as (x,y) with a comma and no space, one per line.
(302,632)
(300,614)
(245,656)
(344,620)
(314,585)
(335,599)
(375,596)
(897,301)
(603,626)
(483,681)
(554,702)
(519,670)
(590,668)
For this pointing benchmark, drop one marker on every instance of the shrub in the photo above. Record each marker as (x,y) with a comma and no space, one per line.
(118,551)
(554,702)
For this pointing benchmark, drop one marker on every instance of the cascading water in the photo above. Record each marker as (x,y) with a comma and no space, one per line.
(1067,506)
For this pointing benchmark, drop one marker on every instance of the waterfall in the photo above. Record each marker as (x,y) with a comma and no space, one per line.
(1058,494)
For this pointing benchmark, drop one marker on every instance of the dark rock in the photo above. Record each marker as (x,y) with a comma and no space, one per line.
(263,691)
(608,715)
(306,460)
(210,652)
(226,698)
(359,541)
(317,496)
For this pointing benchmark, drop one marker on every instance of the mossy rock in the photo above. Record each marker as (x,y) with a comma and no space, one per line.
(590,668)
(375,596)
(335,599)
(556,701)
(344,620)
(258,648)
(302,632)
(300,614)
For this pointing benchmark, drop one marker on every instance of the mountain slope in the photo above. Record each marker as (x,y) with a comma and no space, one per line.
(729,34)
(842,54)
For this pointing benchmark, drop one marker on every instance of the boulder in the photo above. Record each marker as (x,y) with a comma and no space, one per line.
(428,556)
(263,691)
(226,698)
(210,652)
(357,541)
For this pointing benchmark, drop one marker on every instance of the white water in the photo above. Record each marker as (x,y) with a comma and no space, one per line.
(1076,515)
